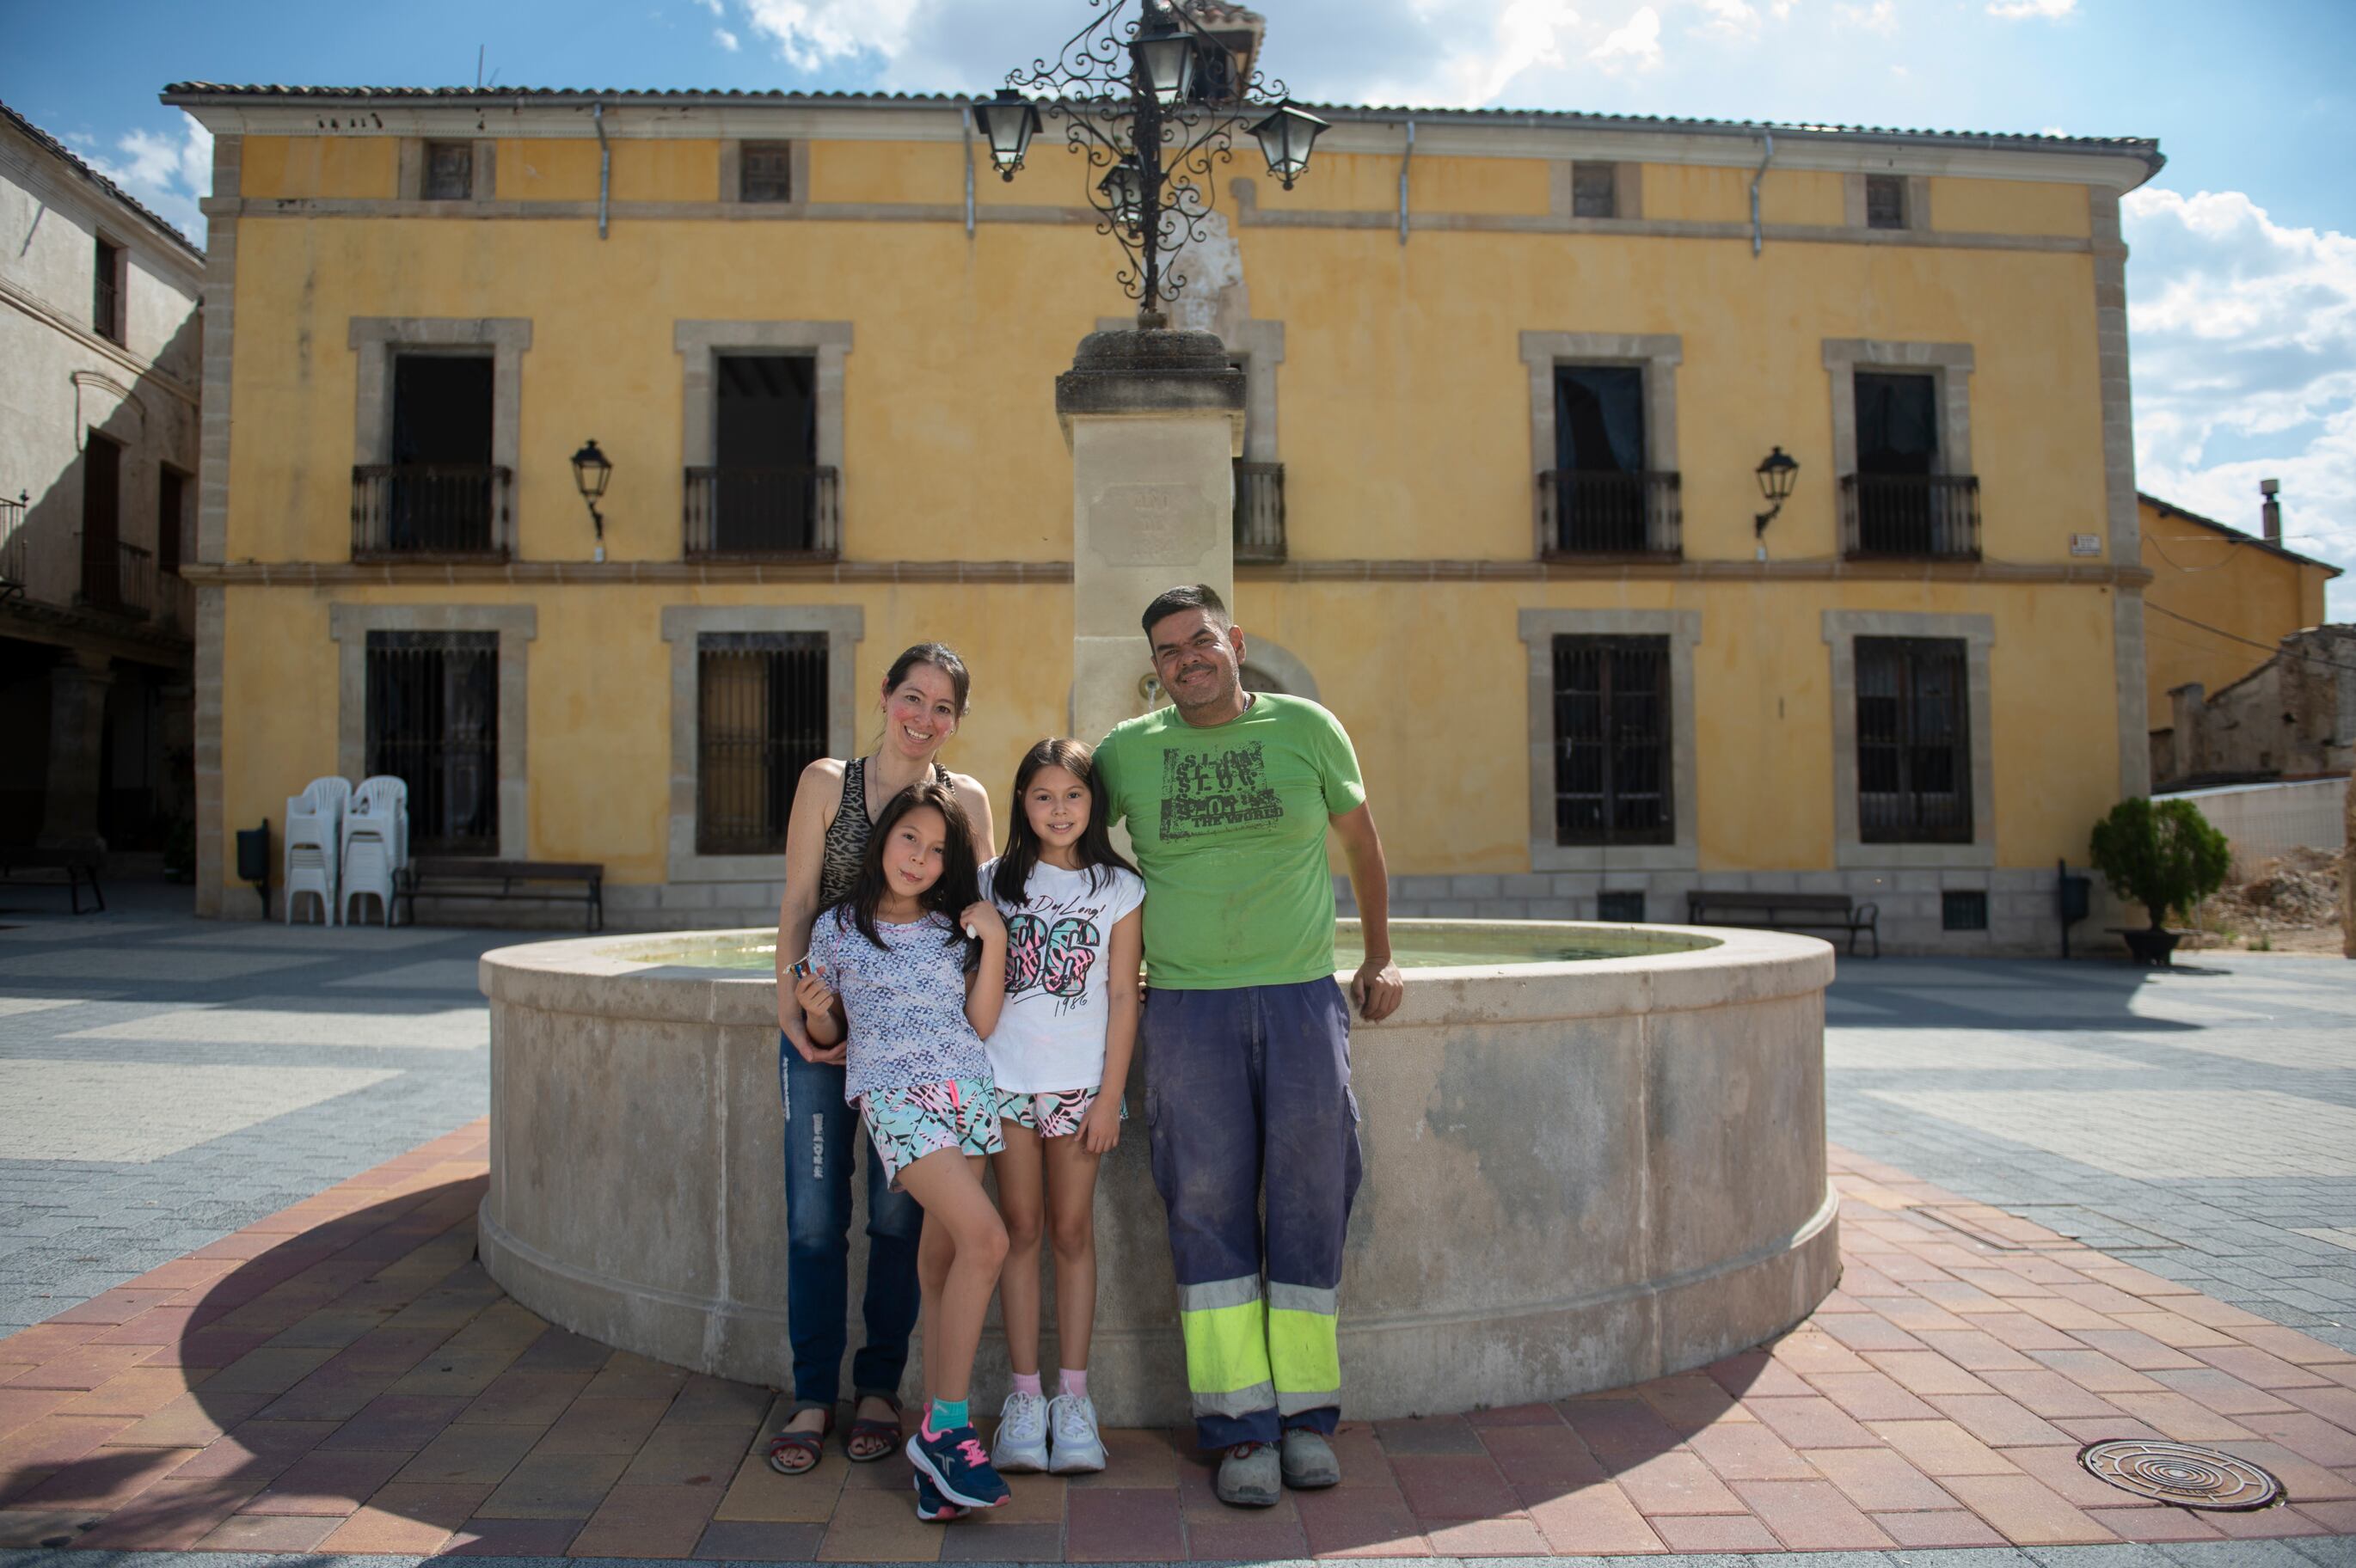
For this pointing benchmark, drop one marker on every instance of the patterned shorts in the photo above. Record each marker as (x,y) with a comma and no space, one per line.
(908,1124)
(1051,1114)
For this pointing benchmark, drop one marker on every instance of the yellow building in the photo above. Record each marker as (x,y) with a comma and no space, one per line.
(1509,379)
(2220,601)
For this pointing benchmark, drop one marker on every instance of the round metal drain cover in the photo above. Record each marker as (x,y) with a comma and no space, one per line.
(2181,1473)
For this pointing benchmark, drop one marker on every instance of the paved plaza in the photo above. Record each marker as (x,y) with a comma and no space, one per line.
(239,1166)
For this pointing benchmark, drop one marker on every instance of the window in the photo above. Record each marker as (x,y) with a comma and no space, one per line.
(171,516)
(765,172)
(763,493)
(449,171)
(1964,910)
(1897,424)
(1600,497)
(1612,770)
(102,583)
(433,717)
(106,292)
(438,495)
(1914,741)
(1594,190)
(762,701)
(1885,201)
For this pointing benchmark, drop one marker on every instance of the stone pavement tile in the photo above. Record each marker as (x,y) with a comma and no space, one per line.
(2135,1348)
(876,1526)
(2060,1472)
(208,1347)
(1942,1448)
(103,1479)
(1434,1435)
(112,1308)
(481,1537)
(43,1444)
(562,1351)
(405,1520)
(478,1455)
(1879,1480)
(1952,1528)
(1996,1420)
(2106,1429)
(396,1420)
(2340,1517)
(1475,1538)
(1812,1422)
(255,1451)
(268,1370)
(1522,1415)
(628,1376)
(1360,1523)
(2169,1328)
(2049,1394)
(691,1455)
(193,1421)
(2303,1479)
(605,1425)
(141,1391)
(1238,1535)
(1750,1453)
(1808,1350)
(1036,1499)
(2336,1404)
(637,1521)
(2096,1373)
(1697,1534)
(2024,1511)
(44,1341)
(328,1482)
(2303,1349)
(1750,1374)
(20,1407)
(2309,1435)
(1616,1429)
(1598,1520)
(1872,1396)
(82,1367)
(156,1326)
(1537,1457)
(2102,1298)
(2260,1370)
(705,1401)
(1688,1402)
(1134,1458)
(760,1495)
(2263,1525)
(2174,1416)
(1979,1349)
(1198,1495)
(1675,1483)
(1110,1524)
(555,1486)
(1960,1296)
(2021,1331)
(267,1532)
(984,1539)
(35,1527)
(747,1541)
(173,1515)
(1885,1328)
(1925,1372)
(1810,1516)
(2153,1524)
(2221,1391)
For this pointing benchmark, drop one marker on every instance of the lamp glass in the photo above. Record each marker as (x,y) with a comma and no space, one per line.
(1124,192)
(1776,474)
(1285,140)
(591,471)
(1007,122)
(1164,51)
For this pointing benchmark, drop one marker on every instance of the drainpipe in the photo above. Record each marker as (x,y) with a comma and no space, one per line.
(966,113)
(605,167)
(1405,158)
(1757,238)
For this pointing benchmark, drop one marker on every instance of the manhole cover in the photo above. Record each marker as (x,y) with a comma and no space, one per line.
(2181,1473)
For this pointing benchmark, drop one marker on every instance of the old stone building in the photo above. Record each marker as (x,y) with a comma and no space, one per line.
(2293,716)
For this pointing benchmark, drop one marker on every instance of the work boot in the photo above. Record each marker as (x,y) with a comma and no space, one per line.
(1248,1476)
(1308,1460)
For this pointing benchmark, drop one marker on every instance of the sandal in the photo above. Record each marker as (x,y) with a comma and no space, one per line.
(886,1434)
(808,1448)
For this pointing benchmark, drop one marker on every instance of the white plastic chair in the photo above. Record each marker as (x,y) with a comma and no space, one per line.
(368,873)
(314,821)
(378,809)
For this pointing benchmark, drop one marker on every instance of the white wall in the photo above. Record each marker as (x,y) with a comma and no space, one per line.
(2269,819)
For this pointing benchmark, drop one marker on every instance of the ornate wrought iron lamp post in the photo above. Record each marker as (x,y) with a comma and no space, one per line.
(1153,101)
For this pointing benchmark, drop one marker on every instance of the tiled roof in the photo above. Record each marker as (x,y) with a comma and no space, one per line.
(2170,510)
(2143,147)
(58,150)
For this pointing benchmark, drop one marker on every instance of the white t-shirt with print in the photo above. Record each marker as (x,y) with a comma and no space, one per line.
(1051,1034)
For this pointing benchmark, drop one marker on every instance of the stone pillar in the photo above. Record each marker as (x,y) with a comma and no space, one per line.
(77,686)
(2347,877)
(1155,420)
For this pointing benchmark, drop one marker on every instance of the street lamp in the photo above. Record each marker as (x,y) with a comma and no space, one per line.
(1776,471)
(1126,89)
(590,471)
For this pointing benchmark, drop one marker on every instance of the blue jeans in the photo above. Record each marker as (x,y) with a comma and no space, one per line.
(821,1132)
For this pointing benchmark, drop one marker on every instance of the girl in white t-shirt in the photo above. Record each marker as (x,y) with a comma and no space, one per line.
(1060,1055)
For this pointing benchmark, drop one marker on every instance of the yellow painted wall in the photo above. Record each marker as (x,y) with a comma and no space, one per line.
(2008,207)
(1697,193)
(548,170)
(1369,182)
(2251,596)
(353,168)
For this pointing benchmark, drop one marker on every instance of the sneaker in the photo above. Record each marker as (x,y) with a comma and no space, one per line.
(959,1466)
(1021,1441)
(1249,1477)
(931,1507)
(1308,1460)
(1078,1449)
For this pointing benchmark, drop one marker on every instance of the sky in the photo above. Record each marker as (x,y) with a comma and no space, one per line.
(2240,282)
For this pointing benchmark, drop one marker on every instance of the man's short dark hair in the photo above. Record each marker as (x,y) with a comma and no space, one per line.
(1187,596)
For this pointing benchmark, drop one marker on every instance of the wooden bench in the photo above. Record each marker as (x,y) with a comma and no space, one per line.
(80,866)
(458,877)
(1787,911)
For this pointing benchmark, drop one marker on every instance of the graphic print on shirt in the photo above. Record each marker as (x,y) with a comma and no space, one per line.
(1213,792)
(1052,955)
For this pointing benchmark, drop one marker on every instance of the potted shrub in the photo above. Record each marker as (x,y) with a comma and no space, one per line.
(2164,856)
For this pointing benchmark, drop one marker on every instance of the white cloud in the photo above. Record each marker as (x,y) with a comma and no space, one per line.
(2013,10)
(2243,350)
(714,7)
(1881,17)
(167,176)
(726,40)
(811,33)
(1635,44)
(1730,19)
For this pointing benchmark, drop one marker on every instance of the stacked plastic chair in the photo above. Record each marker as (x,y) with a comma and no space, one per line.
(375,843)
(315,827)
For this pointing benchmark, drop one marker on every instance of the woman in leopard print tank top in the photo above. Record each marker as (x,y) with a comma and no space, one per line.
(835,806)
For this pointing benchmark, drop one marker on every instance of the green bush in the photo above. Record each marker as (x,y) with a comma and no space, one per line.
(2162,855)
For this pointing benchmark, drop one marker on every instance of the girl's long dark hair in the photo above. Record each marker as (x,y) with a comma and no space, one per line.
(959,883)
(1021,856)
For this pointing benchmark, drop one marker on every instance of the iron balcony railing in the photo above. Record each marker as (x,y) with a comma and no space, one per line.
(1926,516)
(13,555)
(118,579)
(1259,511)
(772,510)
(1583,515)
(407,510)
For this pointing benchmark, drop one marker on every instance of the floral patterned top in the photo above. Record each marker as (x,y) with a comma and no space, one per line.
(905,1001)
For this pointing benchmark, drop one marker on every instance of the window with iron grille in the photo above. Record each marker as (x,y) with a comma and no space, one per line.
(106,292)
(765,172)
(1885,201)
(1964,910)
(449,171)
(1914,741)
(433,723)
(1612,767)
(1594,190)
(761,718)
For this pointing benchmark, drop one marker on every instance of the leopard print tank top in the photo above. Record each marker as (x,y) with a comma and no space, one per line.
(847,835)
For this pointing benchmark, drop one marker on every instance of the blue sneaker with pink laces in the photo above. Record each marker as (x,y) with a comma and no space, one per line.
(958,1464)
(931,1507)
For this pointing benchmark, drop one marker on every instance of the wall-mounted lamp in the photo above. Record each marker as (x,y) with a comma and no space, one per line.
(591,471)
(1776,473)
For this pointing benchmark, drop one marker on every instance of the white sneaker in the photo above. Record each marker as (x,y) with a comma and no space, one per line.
(1021,1440)
(1077,1447)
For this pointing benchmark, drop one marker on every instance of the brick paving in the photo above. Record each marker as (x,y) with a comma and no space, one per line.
(342,1378)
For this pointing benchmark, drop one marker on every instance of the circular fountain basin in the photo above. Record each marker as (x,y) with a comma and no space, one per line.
(1594,1155)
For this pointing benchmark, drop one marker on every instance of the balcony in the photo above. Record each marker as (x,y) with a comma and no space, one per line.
(430,511)
(14,560)
(117,579)
(1609,517)
(1910,517)
(1259,511)
(782,512)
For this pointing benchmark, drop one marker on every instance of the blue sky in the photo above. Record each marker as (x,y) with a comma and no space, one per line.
(2242,285)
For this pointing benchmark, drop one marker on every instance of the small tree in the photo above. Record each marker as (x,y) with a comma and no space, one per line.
(2160,853)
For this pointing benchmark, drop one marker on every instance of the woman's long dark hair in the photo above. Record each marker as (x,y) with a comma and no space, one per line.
(1021,856)
(959,883)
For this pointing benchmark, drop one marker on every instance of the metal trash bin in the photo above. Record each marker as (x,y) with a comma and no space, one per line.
(253,861)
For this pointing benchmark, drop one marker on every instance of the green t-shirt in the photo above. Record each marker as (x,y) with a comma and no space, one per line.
(1228,824)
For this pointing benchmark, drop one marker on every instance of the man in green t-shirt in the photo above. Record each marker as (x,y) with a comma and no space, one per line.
(1229,795)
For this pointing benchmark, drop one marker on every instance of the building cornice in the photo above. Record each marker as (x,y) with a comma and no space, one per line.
(144,370)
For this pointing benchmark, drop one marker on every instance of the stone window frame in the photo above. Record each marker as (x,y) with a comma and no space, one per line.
(699,343)
(349,625)
(1627,191)
(483,170)
(1950,366)
(1978,633)
(377,338)
(1657,354)
(732,174)
(1918,202)
(843,625)
(1538,629)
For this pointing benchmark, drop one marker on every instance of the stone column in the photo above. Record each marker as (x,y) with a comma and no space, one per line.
(77,686)
(1155,420)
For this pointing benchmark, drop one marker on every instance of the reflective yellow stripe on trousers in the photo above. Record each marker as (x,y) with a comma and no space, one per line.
(1304,1355)
(1226,1324)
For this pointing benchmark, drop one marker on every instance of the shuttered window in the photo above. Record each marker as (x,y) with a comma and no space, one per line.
(449,171)
(1612,767)
(1914,741)
(1885,201)
(761,718)
(765,172)
(433,723)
